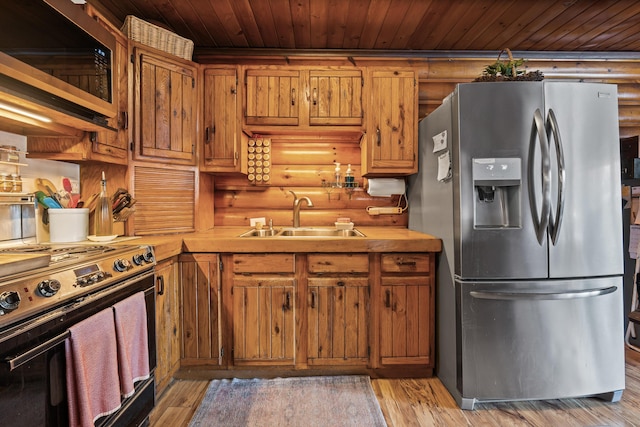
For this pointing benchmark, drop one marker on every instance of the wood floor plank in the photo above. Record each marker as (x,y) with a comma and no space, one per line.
(426,402)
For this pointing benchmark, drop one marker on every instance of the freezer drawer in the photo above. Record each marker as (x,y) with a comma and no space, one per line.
(540,340)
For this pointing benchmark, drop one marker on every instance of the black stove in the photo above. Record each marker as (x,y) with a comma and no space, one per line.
(75,270)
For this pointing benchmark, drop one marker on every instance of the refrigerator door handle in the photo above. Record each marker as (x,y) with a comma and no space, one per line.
(540,223)
(500,295)
(555,223)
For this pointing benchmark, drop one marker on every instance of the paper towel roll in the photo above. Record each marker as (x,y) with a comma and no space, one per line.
(385,187)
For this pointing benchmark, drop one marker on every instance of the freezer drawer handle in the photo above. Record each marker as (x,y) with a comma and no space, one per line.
(498,295)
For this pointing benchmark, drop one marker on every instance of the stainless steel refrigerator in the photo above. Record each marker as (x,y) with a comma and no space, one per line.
(521,182)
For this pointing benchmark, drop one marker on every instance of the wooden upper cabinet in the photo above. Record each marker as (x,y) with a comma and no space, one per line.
(272,97)
(390,145)
(221,125)
(165,108)
(335,97)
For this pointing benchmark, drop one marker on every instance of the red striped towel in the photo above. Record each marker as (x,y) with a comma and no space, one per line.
(93,389)
(131,334)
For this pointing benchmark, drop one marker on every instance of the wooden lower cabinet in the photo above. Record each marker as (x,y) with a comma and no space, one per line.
(201,307)
(338,309)
(407,309)
(167,322)
(352,312)
(263,295)
(263,321)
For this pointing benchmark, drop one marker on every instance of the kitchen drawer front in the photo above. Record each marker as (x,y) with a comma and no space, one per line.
(406,263)
(264,263)
(338,263)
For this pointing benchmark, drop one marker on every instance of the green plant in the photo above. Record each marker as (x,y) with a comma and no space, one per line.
(505,68)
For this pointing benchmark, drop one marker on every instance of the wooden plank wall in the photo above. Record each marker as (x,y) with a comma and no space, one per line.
(300,165)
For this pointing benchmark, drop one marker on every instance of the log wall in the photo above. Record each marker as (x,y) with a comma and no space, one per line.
(301,164)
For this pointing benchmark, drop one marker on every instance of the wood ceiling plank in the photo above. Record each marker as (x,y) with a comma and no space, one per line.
(378,9)
(229,22)
(300,16)
(266,24)
(409,24)
(319,19)
(486,27)
(397,12)
(422,38)
(337,23)
(247,22)
(511,23)
(623,38)
(281,12)
(605,22)
(464,16)
(355,23)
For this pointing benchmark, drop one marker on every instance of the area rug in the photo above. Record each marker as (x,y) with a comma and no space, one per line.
(304,401)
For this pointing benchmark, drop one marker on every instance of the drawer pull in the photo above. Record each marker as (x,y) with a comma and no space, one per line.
(340,283)
(407,263)
(387,298)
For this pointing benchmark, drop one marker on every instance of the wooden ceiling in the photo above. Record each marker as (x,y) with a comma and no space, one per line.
(522,25)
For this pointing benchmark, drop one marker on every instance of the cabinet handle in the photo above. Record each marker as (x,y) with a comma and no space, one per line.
(313,299)
(125,120)
(208,133)
(378,136)
(387,298)
(315,96)
(160,283)
(407,263)
(288,301)
(293,96)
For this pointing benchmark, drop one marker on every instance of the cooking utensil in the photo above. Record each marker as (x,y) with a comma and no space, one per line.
(46,201)
(46,186)
(68,188)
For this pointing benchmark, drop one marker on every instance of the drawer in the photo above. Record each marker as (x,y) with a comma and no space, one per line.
(406,263)
(264,263)
(338,263)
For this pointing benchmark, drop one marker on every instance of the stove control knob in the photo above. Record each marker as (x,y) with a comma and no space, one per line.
(148,256)
(121,265)
(48,288)
(9,301)
(138,259)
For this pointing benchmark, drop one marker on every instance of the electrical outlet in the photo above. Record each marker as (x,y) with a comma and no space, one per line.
(384,210)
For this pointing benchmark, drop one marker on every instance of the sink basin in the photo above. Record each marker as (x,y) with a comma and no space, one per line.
(267,232)
(302,232)
(319,232)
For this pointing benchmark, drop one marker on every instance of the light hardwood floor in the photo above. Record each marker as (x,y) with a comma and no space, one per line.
(425,402)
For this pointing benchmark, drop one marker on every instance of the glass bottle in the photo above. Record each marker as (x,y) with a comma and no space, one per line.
(103,213)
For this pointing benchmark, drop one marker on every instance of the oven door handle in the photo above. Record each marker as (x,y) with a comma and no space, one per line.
(22,358)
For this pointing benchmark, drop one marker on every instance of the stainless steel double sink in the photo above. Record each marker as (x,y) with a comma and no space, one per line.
(302,232)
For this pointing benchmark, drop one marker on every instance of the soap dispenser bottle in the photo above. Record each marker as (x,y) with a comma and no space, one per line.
(338,176)
(348,178)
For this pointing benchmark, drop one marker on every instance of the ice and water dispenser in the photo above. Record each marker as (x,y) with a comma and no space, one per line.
(497,187)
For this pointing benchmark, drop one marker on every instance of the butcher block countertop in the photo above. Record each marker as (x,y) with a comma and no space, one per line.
(225,239)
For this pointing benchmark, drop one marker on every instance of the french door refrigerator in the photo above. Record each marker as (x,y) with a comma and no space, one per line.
(521,182)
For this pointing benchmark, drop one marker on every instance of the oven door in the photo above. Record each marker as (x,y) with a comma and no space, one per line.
(33,364)
(32,389)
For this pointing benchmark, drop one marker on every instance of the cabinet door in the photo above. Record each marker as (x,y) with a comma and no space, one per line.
(167,322)
(390,145)
(338,324)
(221,152)
(405,320)
(335,97)
(165,91)
(272,97)
(201,324)
(263,320)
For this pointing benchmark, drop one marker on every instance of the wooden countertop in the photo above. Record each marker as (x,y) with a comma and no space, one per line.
(225,239)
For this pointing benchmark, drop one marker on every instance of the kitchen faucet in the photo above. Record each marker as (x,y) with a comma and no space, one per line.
(296,207)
